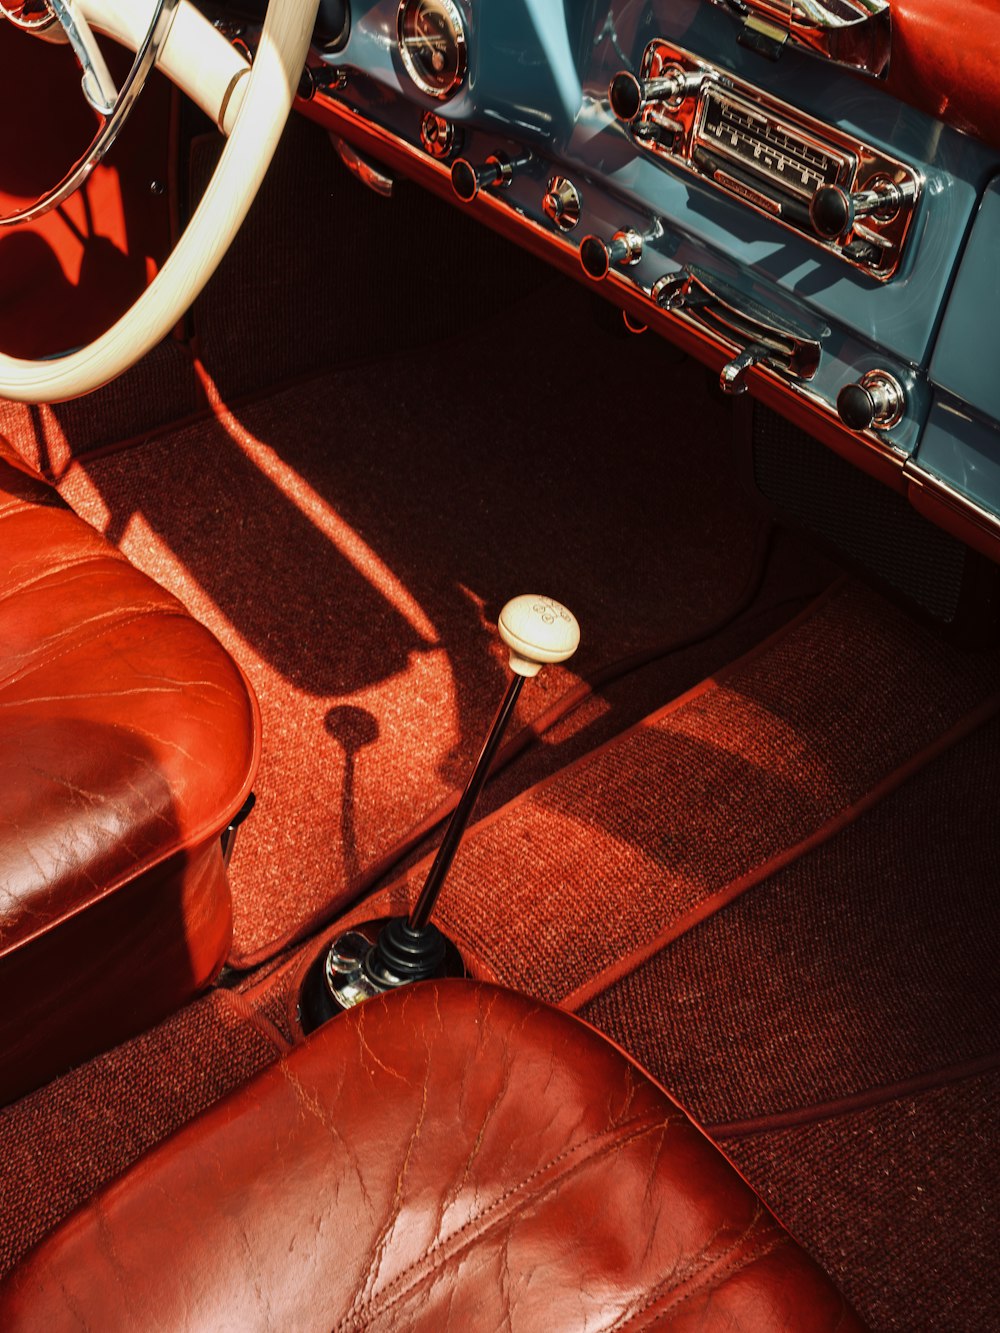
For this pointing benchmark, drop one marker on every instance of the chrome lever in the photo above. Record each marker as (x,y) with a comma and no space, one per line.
(731,316)
(732,377)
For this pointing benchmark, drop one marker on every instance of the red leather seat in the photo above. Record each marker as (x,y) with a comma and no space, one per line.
(128,739)
(453,1156)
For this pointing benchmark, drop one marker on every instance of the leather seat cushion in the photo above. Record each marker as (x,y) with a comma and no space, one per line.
(453,1156)
(128,739)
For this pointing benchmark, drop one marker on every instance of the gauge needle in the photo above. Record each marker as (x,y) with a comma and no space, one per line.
(424,42)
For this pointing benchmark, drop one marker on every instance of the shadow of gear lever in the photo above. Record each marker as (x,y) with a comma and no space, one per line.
(538,631)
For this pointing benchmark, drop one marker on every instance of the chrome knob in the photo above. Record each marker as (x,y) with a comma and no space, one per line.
(496,171)
(877,401)
(597,257)
(629,95)
(561,203)
(833,210)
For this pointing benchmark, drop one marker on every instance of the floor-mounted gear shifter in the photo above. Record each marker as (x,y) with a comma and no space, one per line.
(380,956)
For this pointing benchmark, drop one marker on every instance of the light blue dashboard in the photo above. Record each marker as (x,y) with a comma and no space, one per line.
(535,92)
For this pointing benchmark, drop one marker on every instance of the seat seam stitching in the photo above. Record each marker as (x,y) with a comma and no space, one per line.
(431,1259)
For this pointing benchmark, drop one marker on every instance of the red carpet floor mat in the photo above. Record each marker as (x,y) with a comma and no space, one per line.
(899,1202)
(838,1030)
(352,540)
(61,1143)
(577,883)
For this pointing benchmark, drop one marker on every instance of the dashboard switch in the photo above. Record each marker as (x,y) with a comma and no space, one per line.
(561,203)
(498,170)
(629,96)
(597,257)
(876,401)
(437,135)
(833,210)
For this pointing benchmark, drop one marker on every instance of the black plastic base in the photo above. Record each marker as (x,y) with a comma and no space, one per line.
(402,955)
(342,974)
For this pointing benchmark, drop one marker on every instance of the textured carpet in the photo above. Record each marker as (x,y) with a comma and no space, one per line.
(780,1021)
(868,962)
(837,1027)
(900,1203)
(352,551)
(566,890)
(58,1145)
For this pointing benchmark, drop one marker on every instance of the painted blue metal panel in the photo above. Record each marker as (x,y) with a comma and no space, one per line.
(538,74)
(963,451)
(967,356)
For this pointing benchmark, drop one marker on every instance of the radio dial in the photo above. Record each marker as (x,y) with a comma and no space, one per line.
(833,210)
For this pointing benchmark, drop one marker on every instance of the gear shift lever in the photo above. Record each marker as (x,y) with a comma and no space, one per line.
(538,631)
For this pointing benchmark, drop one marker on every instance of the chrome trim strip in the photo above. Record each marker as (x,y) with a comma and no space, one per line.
(953,498)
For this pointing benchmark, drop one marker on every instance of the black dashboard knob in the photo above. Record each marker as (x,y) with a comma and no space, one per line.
(855,407)
(833,210)
(497,170)
(628,95)
(876,401)
(596,256)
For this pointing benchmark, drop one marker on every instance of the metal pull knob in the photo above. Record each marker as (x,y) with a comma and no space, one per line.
(629,95)
(834,210)
(876,401)
(561,203)
(597,257)
(496,171)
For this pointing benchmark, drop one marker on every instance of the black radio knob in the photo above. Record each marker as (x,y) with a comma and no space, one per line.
(497,170)
(628,95)
(597,257)
(876,401)
(833,209)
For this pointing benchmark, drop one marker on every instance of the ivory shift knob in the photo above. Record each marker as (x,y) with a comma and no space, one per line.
(537,630)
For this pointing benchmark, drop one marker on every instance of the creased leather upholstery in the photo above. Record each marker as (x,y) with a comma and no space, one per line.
(128,739)
(944,61)
(449,1157)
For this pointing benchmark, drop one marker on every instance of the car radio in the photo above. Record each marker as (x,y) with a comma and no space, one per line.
(843,194)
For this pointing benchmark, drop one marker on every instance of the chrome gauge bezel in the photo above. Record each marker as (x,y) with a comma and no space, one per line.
(454,17)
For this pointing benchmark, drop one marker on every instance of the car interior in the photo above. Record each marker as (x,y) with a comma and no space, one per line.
(499,645)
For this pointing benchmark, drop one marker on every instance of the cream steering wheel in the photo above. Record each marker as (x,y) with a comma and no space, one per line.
(251,105)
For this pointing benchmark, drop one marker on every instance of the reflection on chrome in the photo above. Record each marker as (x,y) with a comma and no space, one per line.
(849,32)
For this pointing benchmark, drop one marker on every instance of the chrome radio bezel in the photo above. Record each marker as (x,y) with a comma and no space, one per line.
(673,131)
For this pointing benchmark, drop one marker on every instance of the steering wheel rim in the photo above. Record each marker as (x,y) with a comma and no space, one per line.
(268,90)
(113,117)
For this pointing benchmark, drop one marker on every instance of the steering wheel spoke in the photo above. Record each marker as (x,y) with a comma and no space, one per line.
(98,86)
(249,103)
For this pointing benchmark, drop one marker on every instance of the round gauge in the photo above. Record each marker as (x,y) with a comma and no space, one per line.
(432,44)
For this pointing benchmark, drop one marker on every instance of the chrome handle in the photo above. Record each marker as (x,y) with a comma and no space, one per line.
(732,377)
(758,336)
